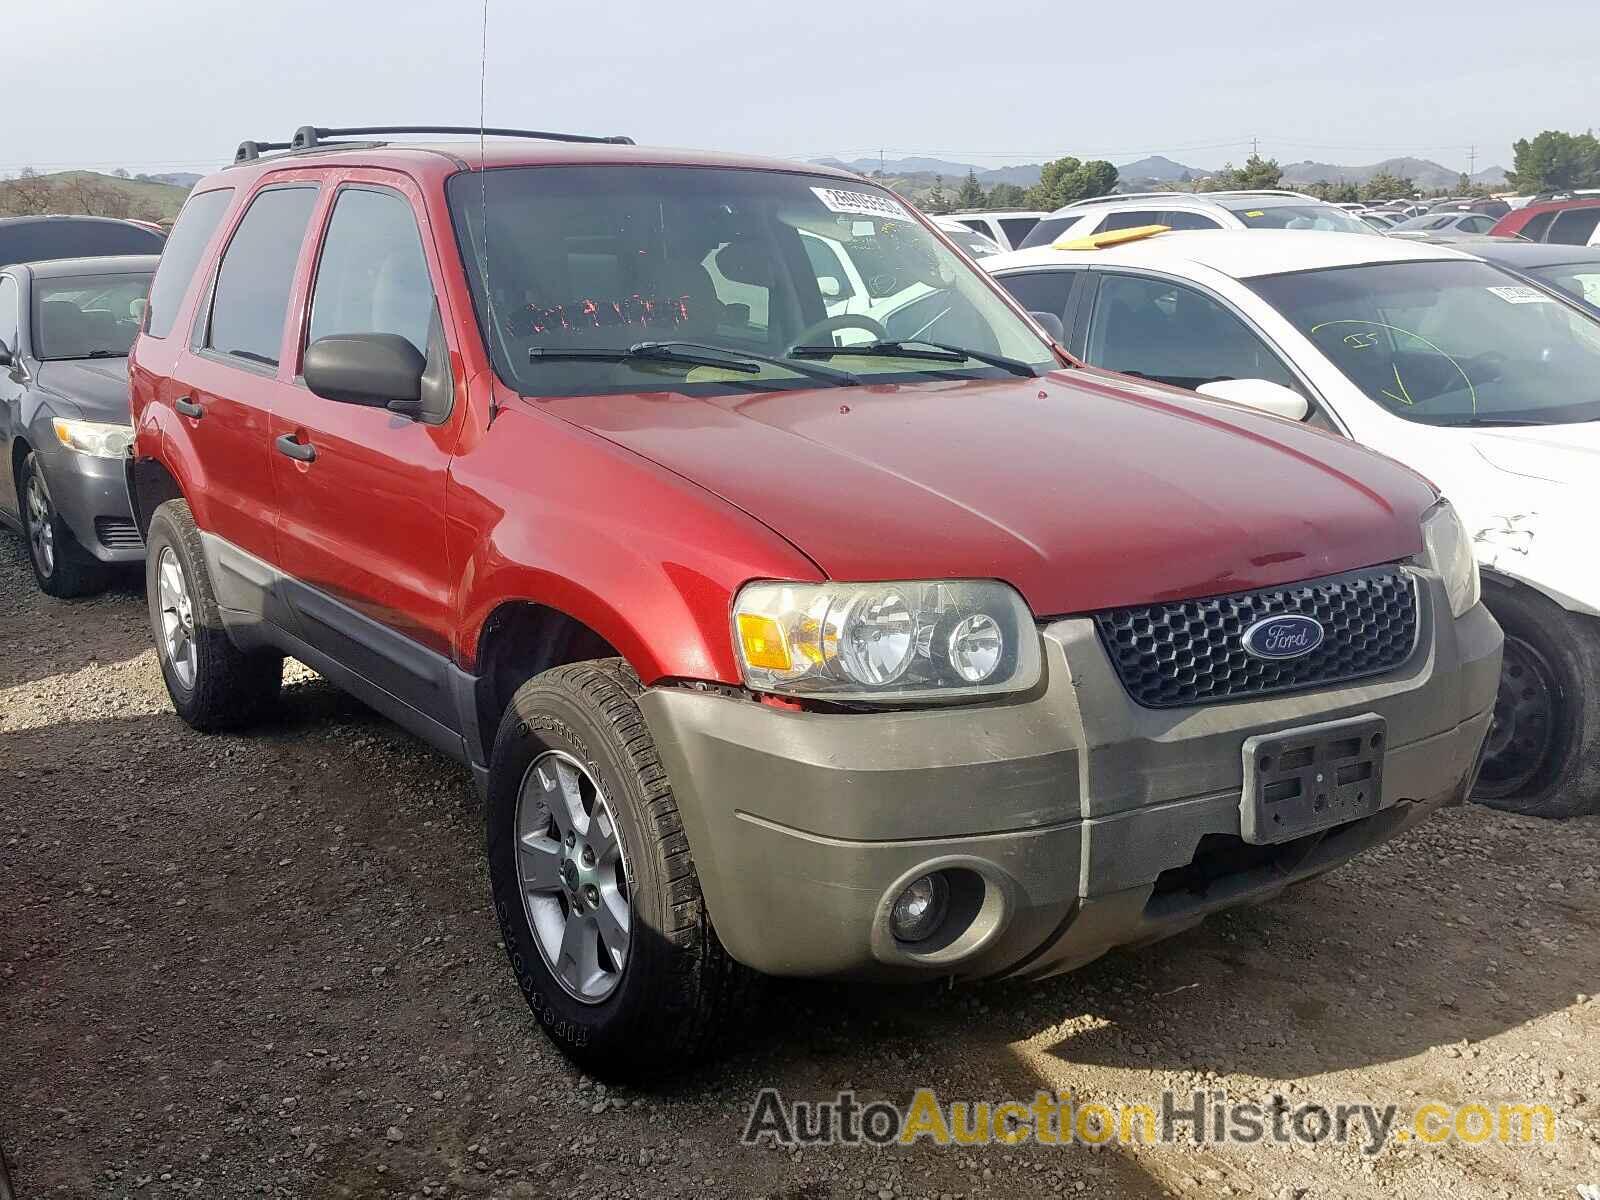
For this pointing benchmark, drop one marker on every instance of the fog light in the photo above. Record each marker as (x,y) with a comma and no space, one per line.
(920,909)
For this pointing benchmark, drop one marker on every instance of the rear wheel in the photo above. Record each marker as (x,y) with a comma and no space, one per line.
(593,882)
(61,566)
(213,685)
(1543,753)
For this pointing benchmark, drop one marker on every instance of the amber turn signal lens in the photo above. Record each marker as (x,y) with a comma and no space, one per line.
(762,639)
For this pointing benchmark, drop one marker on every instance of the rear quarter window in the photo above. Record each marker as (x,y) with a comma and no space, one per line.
(251,299)
(196,223)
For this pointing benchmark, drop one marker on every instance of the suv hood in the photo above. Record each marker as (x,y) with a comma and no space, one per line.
(1081,490)
(97,386)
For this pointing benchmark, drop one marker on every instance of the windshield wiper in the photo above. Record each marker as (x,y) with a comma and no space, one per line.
(692,354)
(918,348)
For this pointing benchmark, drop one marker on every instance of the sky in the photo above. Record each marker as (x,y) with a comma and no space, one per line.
(159,86)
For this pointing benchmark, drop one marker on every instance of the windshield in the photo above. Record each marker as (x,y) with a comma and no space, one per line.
(1448,343)
(1297,216)
(583,263)
(88,316)
(1581,281)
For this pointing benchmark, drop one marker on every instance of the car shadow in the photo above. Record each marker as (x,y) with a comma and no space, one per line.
(41,637)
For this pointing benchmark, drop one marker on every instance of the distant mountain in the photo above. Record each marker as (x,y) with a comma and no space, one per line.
(1425,173)
(904,166)
(1159,169)
(147,198)
(1491,177)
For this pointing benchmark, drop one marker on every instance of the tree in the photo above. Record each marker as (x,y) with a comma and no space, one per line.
(1384,186)
(1007,195)
(28,195)
(1334,193)
(1063,180)
(970,194)
(1256,173)
(1555,160)
(938,202)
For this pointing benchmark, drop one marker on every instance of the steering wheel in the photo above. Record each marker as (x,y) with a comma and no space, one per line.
(809,335)
(1488,367)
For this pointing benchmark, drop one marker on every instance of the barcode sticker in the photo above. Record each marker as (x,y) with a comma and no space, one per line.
(869,204)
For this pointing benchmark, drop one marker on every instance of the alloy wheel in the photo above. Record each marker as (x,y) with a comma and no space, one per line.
(41,524)
(1524,724)
(177,617)
(573,876)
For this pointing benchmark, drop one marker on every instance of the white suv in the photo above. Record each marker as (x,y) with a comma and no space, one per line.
(1193,210)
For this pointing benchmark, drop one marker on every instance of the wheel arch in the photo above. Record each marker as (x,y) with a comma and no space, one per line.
(522,638)
(150,485)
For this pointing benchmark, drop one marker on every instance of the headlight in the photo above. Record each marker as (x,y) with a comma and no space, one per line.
(1449,551)
(91,437)
(885,641)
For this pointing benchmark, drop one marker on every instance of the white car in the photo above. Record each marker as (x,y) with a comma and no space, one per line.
(1004,229)
(1481,381)
(1270,209)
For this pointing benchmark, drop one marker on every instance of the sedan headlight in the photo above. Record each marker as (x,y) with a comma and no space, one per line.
(92,437)
(892,642)
(1449,551)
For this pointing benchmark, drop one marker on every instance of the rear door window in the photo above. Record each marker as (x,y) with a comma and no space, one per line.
(1537,226)
(1129,220)
(1178,219)
(373,276)
(1575,226)
(251,299)
(1174,334)
(181,258)
(1018,228)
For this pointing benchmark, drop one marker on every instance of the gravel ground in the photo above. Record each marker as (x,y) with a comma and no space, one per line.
(266,965)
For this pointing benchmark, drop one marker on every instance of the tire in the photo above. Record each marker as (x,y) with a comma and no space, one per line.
(61,566)
(212,684)
(676,988)
(1543,755)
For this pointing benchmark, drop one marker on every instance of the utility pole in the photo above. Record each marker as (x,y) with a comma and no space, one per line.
(1255,147)
(1472,160)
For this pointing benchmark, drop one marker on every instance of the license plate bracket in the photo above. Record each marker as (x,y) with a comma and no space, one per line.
(1305,780)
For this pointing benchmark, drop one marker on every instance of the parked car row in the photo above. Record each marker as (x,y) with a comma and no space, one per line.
(798,599)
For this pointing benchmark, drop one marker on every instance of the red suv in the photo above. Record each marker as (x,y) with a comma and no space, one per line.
(796,604)
(1571,222)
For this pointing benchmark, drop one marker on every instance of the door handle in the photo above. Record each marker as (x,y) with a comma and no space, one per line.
(295,449)
(188,407)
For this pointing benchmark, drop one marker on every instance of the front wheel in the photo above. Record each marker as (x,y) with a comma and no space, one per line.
(1543,754)
(593,883)
(61,566)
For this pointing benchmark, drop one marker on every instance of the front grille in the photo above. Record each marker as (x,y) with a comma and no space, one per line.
(117,535)
(1190,652)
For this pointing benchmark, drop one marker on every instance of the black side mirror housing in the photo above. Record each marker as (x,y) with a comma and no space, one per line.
(7,358)
(377,370)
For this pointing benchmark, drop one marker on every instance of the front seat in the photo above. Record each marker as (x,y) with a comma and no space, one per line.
(686,301)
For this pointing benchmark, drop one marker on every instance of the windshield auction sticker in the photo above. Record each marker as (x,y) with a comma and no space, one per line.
(862,203)
(1521,295)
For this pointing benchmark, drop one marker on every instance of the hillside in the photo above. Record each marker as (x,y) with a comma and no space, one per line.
(156,201)
(1426,173)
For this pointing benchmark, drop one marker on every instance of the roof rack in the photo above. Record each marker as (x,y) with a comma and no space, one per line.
(312,137)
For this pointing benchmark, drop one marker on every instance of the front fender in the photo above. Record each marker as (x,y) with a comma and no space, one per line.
(544,512)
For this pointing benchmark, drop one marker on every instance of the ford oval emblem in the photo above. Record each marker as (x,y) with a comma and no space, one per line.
(1286,636)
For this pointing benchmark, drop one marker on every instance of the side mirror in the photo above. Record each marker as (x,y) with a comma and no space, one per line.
(1051,324)
(829,287)
(378,370)
(1260,394)
(6,357)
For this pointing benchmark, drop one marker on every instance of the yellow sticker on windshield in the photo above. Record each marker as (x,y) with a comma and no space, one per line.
(1255,213)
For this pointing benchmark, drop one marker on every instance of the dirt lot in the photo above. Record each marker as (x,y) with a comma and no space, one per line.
(265,965)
